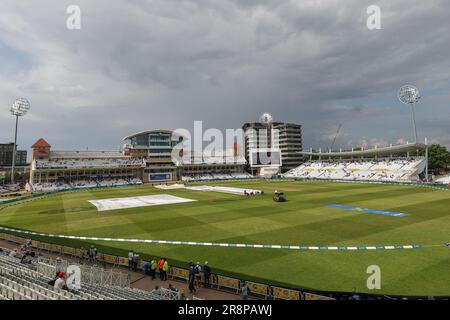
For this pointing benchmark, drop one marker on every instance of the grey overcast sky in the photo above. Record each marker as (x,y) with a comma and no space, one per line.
(137,65)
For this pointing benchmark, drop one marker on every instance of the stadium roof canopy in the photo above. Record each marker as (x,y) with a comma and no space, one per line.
(384,151)
(146,132)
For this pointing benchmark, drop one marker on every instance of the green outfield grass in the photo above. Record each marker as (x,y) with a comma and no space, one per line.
(304,220)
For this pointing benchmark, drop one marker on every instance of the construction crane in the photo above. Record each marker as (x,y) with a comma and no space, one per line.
(337,133)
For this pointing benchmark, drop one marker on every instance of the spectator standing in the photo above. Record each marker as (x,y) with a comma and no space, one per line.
(145,267)
(130,259)
(192,278)
(198,270)
(153,267)
(244,290)
(135,261)
(160,267)
(165,269)
(88,252)
(91,253)
(206,274)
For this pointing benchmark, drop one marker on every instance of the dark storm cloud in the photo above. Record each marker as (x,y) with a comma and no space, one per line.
(139,65)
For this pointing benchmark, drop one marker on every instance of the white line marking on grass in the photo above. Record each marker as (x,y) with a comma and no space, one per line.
(192,243)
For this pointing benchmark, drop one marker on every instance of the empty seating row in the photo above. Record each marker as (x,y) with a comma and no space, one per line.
(375,170)
(80,184)
(23,282)
(215,176)
(88,163)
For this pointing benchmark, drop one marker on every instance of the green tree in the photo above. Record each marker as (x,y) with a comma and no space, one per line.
(6,176)
(438,158)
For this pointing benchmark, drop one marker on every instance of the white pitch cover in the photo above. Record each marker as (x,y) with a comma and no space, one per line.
(133,202)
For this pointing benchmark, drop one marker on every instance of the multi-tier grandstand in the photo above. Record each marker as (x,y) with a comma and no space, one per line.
(135,164)
(58,170)
(407,170)
(394,163)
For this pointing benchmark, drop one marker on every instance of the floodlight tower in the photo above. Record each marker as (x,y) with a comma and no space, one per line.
(19,108)
(410,95)
(266,118)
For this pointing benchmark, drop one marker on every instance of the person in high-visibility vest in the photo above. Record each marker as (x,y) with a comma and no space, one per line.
(160,267)
(153,267)
(165,269)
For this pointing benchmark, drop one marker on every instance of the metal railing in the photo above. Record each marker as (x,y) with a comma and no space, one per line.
(90,275)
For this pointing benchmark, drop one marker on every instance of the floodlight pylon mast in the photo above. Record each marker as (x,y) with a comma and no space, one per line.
(19,108)
(426,159)
(410,95)
(13,165)
(413,116)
